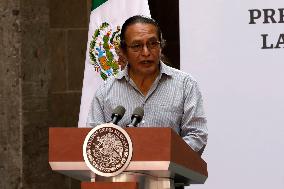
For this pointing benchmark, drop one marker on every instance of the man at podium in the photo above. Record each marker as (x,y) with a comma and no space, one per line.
(168,96)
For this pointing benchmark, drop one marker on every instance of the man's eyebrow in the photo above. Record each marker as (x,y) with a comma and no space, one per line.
(140,41)
(136,41)
(152,38)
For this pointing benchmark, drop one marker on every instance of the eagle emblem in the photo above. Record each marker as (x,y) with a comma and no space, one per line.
(104,51)
(107,150)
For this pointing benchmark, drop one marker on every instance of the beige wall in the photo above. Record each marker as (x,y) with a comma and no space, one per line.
(68,40)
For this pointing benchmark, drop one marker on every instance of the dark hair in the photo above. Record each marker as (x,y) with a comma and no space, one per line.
(139,19)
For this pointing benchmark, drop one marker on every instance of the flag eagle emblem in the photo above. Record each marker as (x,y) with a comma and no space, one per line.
(104,51)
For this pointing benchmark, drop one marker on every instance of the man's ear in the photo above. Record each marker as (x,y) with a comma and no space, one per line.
(122,53)
(122,60)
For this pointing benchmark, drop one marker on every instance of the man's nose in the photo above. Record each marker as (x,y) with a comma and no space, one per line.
(145,50)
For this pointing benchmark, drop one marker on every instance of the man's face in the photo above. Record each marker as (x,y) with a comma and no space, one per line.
(143,49)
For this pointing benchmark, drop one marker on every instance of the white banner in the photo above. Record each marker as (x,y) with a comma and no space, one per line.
(103,60)
(235,50)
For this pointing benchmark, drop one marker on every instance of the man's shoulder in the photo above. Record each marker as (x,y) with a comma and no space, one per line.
(179,75)
(107,84)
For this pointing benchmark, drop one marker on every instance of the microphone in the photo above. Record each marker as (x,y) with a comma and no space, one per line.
(117,114)
(137,116)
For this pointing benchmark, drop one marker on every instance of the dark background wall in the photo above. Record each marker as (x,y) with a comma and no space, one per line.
(42,53)
(167,15)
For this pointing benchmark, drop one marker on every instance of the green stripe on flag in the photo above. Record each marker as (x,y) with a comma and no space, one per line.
(97,3)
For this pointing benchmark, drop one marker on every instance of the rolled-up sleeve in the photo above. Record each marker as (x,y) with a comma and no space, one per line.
(193,126)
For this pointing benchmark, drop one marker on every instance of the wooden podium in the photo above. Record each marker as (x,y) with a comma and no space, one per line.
(159,154)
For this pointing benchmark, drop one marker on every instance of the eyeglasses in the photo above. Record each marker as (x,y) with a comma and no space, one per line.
(138,47)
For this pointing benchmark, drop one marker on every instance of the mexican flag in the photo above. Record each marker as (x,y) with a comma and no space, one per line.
(102,60)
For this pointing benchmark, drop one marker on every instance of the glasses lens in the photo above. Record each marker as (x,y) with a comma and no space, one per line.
(136,47)
(139,47)
(153,44)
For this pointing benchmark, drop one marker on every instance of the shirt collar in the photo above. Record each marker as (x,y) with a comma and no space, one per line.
(123,73)
(164,69)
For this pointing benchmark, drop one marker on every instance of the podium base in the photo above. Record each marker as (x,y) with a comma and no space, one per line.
(144,181)
(109,185)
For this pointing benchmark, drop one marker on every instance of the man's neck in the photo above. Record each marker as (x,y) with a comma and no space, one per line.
(144,82)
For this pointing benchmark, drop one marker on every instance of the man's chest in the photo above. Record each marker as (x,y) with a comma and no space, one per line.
(163,107)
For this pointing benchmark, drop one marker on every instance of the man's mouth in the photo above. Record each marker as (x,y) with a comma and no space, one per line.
(146,62)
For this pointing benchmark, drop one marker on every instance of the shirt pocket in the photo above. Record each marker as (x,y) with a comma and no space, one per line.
(164,116)
(108,109)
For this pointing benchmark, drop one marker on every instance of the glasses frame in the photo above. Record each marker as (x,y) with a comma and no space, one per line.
(151,45)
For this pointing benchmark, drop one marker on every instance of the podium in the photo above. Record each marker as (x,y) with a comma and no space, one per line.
(161,159)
